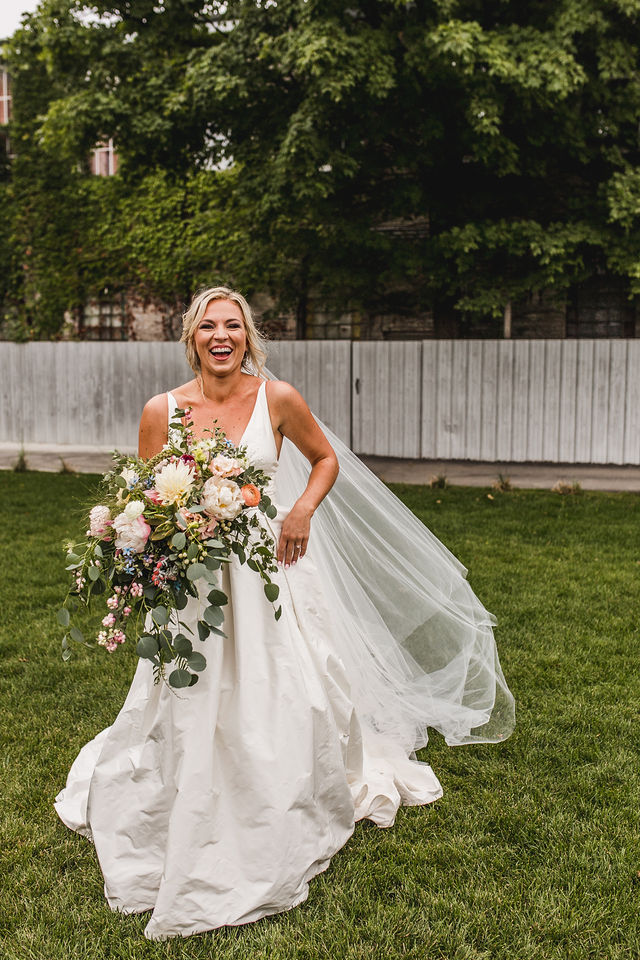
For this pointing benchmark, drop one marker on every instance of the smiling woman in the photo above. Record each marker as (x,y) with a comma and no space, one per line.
(231,798)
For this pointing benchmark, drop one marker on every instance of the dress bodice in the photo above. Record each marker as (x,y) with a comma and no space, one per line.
(258,434)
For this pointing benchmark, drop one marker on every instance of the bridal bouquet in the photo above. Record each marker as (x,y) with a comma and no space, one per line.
(162,525)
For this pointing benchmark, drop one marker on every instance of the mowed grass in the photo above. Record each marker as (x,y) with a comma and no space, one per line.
(534,850)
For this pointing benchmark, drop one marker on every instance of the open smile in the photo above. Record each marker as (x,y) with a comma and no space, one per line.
(220,353)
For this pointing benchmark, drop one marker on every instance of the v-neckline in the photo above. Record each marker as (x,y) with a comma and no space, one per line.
(249,422)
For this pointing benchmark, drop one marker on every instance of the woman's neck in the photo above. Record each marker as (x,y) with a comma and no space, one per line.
(219,389)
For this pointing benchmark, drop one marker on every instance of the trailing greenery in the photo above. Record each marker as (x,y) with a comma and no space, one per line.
(532,853)
(381,155)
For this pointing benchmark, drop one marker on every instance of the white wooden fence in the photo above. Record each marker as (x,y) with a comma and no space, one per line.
(570,401)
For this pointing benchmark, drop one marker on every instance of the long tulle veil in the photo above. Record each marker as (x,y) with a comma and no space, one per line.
(417,643)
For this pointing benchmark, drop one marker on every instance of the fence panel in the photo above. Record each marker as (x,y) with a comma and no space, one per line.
(571,401)
(321,371)
(386,398)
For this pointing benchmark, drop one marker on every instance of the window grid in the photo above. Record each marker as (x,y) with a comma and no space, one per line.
(5,96)
(104,159)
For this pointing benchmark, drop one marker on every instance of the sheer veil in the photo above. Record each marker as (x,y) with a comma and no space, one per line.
(417,643)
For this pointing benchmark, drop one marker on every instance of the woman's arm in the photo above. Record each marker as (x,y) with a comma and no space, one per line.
(154,426)
(295,421)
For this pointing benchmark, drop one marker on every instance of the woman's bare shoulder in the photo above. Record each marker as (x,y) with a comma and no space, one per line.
(281,392)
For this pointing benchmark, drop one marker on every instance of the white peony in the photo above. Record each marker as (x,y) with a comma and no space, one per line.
(133,509)
(132,534)
(99,519)
(222,466)
(221,498)
(174,482)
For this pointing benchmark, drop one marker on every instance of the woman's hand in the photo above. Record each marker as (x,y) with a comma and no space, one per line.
(294,535)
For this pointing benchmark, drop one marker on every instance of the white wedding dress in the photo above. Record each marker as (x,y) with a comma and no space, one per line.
(217,804)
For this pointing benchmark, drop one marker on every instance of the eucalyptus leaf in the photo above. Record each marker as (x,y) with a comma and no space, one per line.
(160,615)
(178,540)
(193,551)
(166,646)
(180,678)
(278,613)
(98,550)
(212,563)
(93,572)
(196,570)
(271,512)
(73,557)
(213,616)
(214,543)
(67,653)
(120,481)
(218,633)
(217,597)
(194,679)
(63,617)
(196,661)
(147,647)
(181,600)
(182,645)
(203,630)
(97,587)
(271,591)
(77,635)
(74,566)
(65,642)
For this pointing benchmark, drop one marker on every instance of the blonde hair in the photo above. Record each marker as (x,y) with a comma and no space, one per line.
(256,353)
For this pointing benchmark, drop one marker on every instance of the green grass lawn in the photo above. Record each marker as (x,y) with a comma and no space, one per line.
(534,850)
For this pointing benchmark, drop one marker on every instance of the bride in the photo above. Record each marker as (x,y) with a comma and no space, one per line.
(219,805)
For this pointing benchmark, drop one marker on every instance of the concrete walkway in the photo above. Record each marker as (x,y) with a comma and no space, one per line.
(469,473)
(55,458)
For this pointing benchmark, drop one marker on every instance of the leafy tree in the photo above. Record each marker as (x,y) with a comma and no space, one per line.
(378,154)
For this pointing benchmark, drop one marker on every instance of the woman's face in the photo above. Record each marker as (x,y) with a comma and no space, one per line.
(220,339)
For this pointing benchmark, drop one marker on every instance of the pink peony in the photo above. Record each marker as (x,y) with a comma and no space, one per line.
(99,520)
(221,498)
(222,466)
(131,534)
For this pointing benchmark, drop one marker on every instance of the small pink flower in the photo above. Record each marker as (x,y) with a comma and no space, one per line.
(109,620)
(153,495)
(111,645)
(112,602)
(127,611)
(209,528)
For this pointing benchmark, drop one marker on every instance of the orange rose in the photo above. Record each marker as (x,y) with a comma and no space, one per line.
(250,494)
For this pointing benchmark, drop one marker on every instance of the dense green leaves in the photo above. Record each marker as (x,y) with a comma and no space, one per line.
(388,157)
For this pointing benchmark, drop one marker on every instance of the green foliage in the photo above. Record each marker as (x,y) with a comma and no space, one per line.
(290,147)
